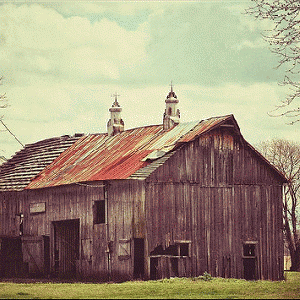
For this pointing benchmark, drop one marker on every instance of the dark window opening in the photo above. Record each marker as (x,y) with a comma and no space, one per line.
(99,212)
(249,250)
(172,250)
(180,248)
(157,251)
(184,249)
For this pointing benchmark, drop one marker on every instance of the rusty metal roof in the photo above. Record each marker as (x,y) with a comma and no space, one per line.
(16,173)
(99,157)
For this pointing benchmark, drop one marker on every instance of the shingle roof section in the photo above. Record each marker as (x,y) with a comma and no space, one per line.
(126,155)
(16,173)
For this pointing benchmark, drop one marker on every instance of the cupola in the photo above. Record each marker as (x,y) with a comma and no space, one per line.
(115,124)
(172,113)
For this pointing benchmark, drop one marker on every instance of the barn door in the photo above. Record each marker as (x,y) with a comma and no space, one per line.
(11,263)
(36,254)
(138,258)
(249,260)
(66,247)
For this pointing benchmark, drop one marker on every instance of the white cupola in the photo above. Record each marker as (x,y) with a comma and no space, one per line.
(172,114)
(115,124)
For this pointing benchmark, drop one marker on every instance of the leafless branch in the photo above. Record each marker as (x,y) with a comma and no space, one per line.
(285,155)
(284,40)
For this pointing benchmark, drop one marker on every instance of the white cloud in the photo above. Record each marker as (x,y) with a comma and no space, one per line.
(38,40)
(41,111)
(60,70)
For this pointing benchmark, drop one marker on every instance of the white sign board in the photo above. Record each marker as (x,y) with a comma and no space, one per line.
(35,208)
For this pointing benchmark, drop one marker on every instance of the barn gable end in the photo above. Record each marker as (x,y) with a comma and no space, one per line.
(219,194)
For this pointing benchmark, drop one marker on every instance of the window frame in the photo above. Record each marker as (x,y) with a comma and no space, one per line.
(99,212)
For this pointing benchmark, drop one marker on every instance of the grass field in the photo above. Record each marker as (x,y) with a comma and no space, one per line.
(183,288)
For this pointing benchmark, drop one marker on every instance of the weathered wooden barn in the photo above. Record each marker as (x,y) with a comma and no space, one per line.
(176,199)
(15,175)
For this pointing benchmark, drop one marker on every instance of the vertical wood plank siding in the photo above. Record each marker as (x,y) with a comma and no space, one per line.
(11,205)
(126,200)
(214,191)
(62,203)
(218,194)
(126,221)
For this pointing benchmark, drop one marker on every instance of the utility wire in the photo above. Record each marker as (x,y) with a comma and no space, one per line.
(11,133)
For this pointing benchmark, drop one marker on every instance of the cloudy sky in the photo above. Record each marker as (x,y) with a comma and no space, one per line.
(62,60)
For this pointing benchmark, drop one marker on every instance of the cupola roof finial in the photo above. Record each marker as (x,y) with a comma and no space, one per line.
(115,124)
(116,103)
(171,93)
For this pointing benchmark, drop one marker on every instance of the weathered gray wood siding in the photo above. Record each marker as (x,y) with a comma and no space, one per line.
(11,205)
(62,203)
(126,200)
(125,221)
(218,193)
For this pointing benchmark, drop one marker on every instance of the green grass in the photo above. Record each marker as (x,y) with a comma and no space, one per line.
(183,288)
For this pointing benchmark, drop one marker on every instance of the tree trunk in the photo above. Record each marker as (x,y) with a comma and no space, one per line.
(295,259)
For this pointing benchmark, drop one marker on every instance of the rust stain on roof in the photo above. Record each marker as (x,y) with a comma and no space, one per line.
(99,157)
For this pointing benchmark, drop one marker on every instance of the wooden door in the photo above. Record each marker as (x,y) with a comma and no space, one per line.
(66,247)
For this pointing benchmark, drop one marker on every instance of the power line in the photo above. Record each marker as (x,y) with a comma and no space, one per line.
(11,133)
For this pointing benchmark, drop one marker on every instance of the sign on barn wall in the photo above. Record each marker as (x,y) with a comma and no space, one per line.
(36,208)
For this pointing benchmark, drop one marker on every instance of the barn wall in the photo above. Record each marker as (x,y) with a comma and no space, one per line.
(101,253)
(42,207)
(72,203)
(11,206)
(126,199)
(218,194)
(214,159)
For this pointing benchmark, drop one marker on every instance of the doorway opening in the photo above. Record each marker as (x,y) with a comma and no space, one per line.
(138,245)
(154,270)
(249,260)
(66,247)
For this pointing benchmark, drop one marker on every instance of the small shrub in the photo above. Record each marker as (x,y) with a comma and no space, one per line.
(206,277)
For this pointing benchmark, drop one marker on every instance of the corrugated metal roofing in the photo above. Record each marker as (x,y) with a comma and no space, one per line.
(99,157)
(16,173)
(204,126)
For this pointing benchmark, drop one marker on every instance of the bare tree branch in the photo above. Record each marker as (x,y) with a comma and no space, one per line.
(3,100)
(284,40)
(285,156)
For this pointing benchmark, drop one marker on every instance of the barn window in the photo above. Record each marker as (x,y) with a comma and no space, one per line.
(249,248)
(183,248)
(99,212)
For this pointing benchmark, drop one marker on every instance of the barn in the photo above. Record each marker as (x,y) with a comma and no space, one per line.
(174,199)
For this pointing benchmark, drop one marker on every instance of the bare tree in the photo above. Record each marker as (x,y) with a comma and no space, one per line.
(3,101)
(285,155)
(284,41)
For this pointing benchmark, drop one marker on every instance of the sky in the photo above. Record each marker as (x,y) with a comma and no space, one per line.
(61,62)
